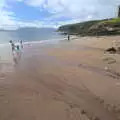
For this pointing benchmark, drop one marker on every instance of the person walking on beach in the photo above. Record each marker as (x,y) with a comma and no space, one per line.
(16,54)
(68,37)
(12,45)
(21,43)
(18,51)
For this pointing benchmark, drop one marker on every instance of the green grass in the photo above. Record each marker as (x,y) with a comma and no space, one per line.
(112,21)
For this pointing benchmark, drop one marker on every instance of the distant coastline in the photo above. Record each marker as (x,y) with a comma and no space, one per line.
(93,28)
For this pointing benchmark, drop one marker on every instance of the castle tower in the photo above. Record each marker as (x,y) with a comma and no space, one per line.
(119,11)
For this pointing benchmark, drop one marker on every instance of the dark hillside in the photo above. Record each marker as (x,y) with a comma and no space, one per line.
(91,28)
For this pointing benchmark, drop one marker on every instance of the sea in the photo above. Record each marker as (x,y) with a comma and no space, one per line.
(27,35)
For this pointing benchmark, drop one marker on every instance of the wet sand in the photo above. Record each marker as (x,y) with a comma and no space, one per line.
(68,80)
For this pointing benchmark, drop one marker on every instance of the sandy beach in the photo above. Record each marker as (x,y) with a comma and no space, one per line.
(68,80)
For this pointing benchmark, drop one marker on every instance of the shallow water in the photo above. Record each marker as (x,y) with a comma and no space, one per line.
(28,36)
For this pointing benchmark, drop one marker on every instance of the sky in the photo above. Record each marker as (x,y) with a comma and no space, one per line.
(53,13)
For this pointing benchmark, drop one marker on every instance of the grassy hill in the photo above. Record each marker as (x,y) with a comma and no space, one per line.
(92,28)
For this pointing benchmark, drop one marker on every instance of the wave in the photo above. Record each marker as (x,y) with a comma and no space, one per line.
(35,42)
(4,44)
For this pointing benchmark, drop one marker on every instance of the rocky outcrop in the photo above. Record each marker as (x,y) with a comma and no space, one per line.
(104,28)
(92,28)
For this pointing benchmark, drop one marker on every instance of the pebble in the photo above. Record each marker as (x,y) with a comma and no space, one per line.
(106,68)
(83,112)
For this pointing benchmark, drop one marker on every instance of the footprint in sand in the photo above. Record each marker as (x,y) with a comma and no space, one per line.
(109,60)
(2,76)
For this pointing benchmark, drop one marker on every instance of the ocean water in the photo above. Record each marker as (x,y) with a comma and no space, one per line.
(27,35)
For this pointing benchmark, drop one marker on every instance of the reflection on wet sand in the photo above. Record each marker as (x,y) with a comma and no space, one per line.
(16,56)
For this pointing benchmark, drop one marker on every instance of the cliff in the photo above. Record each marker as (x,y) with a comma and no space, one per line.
(92,28)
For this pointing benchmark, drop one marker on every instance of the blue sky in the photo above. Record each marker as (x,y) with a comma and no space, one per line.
(53,13)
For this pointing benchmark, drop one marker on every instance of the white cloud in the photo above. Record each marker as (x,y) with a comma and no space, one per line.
(9,21)
(35,2)
(5,16)
(77,9)
(74,10)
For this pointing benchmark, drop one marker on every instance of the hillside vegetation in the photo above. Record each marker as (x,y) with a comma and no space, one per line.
(92,28)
